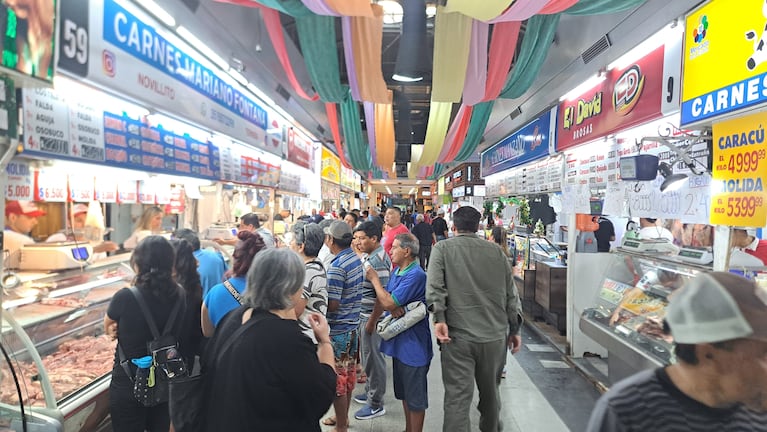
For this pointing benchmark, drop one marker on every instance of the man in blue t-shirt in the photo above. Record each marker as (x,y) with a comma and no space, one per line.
(411,350)
(211,265)
(344,301)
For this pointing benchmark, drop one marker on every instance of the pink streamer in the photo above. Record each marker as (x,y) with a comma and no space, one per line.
(451,132)
(422,172)
(274,28)
(370,121)
(476,71)
(520,10)
(502,47)
(319,7)
(351,69)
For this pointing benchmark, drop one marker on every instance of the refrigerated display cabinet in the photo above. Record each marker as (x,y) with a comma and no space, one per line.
(627,315)
(55,361)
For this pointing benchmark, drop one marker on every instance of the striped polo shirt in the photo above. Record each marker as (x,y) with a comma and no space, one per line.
(380,261)
(345,278)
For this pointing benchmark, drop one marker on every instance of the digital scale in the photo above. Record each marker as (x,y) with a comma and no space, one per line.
(693,255)
(220,231)
(55,255)
(650,245)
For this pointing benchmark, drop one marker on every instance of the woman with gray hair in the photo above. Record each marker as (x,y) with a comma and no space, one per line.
(306,241)
(271,377)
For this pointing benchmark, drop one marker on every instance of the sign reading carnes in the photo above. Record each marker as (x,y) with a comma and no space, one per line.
(641,92)
(725,59)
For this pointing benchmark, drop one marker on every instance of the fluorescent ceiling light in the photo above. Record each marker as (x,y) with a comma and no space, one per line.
(403,78)
(383,181)
(411,191)
(240,78)
(158,12)
(431,11)
(388,190)
(585,86)
(418,182)
(197,44)
(669,33)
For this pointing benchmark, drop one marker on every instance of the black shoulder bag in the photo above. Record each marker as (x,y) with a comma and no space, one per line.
(188,394)
(150,384)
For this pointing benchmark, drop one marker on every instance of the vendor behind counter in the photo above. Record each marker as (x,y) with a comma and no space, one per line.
(77,232)
(20,219)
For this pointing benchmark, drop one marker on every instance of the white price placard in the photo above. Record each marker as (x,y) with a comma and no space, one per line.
(20,182)
(127,192)
(51,186)
(106,190)
(146,192)
(81,188)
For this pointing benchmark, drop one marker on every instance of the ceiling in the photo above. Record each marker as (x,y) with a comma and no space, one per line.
(246,44)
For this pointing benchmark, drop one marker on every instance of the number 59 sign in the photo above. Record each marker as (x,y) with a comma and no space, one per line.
(739,196)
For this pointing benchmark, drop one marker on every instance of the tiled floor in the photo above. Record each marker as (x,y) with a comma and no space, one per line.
(535,397)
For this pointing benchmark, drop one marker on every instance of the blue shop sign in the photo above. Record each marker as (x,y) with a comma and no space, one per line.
(529,143)
(126,31)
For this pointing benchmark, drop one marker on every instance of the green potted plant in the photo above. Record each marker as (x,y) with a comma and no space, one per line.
(488,214)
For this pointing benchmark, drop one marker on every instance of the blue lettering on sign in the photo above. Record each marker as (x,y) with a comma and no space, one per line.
(742,185)
(529,143)
(126,31)
(743,94)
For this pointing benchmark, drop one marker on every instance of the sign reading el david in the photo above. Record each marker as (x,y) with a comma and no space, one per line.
(725,59)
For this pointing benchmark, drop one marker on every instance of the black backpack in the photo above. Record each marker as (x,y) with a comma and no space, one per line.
(150,385)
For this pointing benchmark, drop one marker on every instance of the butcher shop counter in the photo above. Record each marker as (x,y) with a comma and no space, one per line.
(55,362)
(627,315)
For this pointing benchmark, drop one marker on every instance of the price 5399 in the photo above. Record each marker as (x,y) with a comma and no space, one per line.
(743,206)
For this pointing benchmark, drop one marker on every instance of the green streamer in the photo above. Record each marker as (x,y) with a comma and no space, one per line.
(479,118)
(359,151)
(533,52)
(294,8)
(317,35)
(601,7)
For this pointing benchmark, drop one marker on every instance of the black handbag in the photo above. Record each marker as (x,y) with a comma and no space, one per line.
(150,384)
(188,395)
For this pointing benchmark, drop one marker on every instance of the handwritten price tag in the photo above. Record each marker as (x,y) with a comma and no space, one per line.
(51,187)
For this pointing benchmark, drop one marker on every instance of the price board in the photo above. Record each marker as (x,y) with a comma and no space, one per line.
(20,181)
(738,171)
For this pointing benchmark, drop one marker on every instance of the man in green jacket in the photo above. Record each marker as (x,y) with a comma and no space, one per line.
(477,314)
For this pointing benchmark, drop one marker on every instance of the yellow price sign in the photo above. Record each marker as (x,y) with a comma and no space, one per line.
(739,164)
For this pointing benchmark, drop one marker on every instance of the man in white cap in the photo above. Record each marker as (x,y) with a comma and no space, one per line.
(719,382)
(20,219)
(76,233)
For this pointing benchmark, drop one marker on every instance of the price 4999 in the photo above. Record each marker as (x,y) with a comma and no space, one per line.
(745,162)
(743,206)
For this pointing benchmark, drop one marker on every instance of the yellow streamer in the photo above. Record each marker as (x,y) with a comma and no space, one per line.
(384,127)
(481,10)
(452,38)
(412,166)
(436,130)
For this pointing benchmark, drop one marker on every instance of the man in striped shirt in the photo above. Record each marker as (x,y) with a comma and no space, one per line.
(367,238)
(719,382)
(345,278)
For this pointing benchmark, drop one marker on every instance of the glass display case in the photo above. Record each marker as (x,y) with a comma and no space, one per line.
(56,361)
(527,250)
(627,315)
